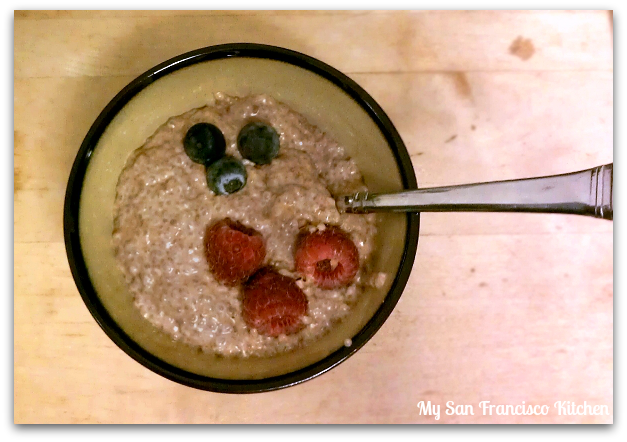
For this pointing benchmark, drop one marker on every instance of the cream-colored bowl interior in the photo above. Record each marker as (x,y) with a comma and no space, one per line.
(319,100)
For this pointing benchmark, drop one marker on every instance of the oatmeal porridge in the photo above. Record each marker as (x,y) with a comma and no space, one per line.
(164,207)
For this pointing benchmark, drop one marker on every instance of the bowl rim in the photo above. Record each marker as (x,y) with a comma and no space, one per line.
(74,188)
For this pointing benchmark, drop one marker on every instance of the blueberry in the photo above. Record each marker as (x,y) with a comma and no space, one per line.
(204,143)
(258,142)
(226,176)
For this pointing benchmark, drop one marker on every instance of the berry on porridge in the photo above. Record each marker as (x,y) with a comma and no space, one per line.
(258,142)
(204,143)
(273,304)
(328,257)
(226,176)
(234,252)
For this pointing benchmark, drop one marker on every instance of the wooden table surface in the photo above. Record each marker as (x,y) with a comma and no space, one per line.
(499,307)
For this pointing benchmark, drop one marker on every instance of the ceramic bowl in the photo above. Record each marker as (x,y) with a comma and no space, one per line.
(328,99)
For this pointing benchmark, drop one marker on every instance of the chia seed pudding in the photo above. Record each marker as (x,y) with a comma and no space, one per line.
(163,207)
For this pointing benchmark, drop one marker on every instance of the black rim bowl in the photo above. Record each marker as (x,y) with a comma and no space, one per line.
(74,188)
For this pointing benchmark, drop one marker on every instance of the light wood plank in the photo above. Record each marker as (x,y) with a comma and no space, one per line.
(52,117)
(498,125)
(90,14)
(393,41)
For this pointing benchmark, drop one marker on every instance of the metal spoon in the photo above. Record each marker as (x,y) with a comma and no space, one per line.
(588,192)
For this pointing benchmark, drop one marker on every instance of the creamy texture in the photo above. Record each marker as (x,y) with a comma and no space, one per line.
(163,207)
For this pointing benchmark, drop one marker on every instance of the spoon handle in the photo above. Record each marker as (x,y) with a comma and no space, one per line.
(588,192)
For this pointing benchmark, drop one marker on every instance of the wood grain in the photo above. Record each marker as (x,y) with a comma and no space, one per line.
(499,307)
(365,42)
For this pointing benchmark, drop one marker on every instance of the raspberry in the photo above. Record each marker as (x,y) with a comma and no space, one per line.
(273,304)
(328,256)
(234,251)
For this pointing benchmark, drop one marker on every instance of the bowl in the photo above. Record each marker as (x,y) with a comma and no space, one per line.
(328,99)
